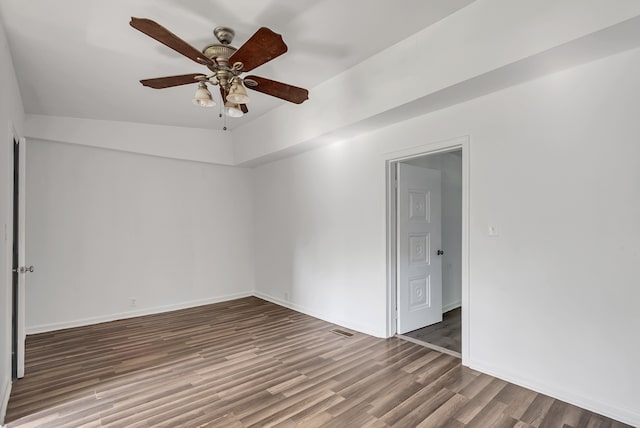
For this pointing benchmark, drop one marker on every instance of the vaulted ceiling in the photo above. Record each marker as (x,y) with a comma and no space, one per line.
(80,58)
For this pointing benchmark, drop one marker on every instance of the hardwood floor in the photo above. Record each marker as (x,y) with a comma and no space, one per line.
(252,363)
(446,334)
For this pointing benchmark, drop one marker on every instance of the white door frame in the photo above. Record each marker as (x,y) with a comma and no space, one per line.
(391,159)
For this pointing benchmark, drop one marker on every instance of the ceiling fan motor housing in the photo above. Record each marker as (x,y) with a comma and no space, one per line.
(223,50)
(217,52)
(220,55)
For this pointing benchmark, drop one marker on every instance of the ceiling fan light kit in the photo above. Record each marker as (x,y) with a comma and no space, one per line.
(226,64)
(232,109)
(237,93)
(203,97)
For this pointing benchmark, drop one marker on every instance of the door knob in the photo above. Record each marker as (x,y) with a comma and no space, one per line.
(25,269)
(439,252)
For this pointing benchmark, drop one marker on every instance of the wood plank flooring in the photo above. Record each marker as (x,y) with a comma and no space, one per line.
(252,363)
(446,334)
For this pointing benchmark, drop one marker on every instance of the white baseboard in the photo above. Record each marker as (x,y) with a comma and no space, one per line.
(6,392)
(132,314)
(43,328)
(627,416)
(451,306)
(319,315)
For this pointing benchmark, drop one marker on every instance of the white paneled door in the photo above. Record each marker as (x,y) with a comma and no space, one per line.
(419,247)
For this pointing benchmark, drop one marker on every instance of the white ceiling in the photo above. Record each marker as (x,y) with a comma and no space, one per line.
(80,58)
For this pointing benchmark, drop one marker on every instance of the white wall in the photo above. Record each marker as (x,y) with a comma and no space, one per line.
(107,226)
(450,166)
(11,119)
(319,221)
(555,167)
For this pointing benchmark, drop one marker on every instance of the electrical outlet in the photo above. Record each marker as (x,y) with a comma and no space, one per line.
(492,231)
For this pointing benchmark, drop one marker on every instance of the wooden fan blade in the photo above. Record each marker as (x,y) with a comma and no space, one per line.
(167,38)
(169,81)
(262,47)
(276,89)
(223,95)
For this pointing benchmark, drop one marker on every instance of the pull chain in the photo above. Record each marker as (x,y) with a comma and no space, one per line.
(224,118)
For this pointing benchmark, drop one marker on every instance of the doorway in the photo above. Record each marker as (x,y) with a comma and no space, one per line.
(440,325)
(434,283)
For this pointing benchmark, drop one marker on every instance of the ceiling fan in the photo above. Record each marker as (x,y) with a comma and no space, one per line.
(227,64)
